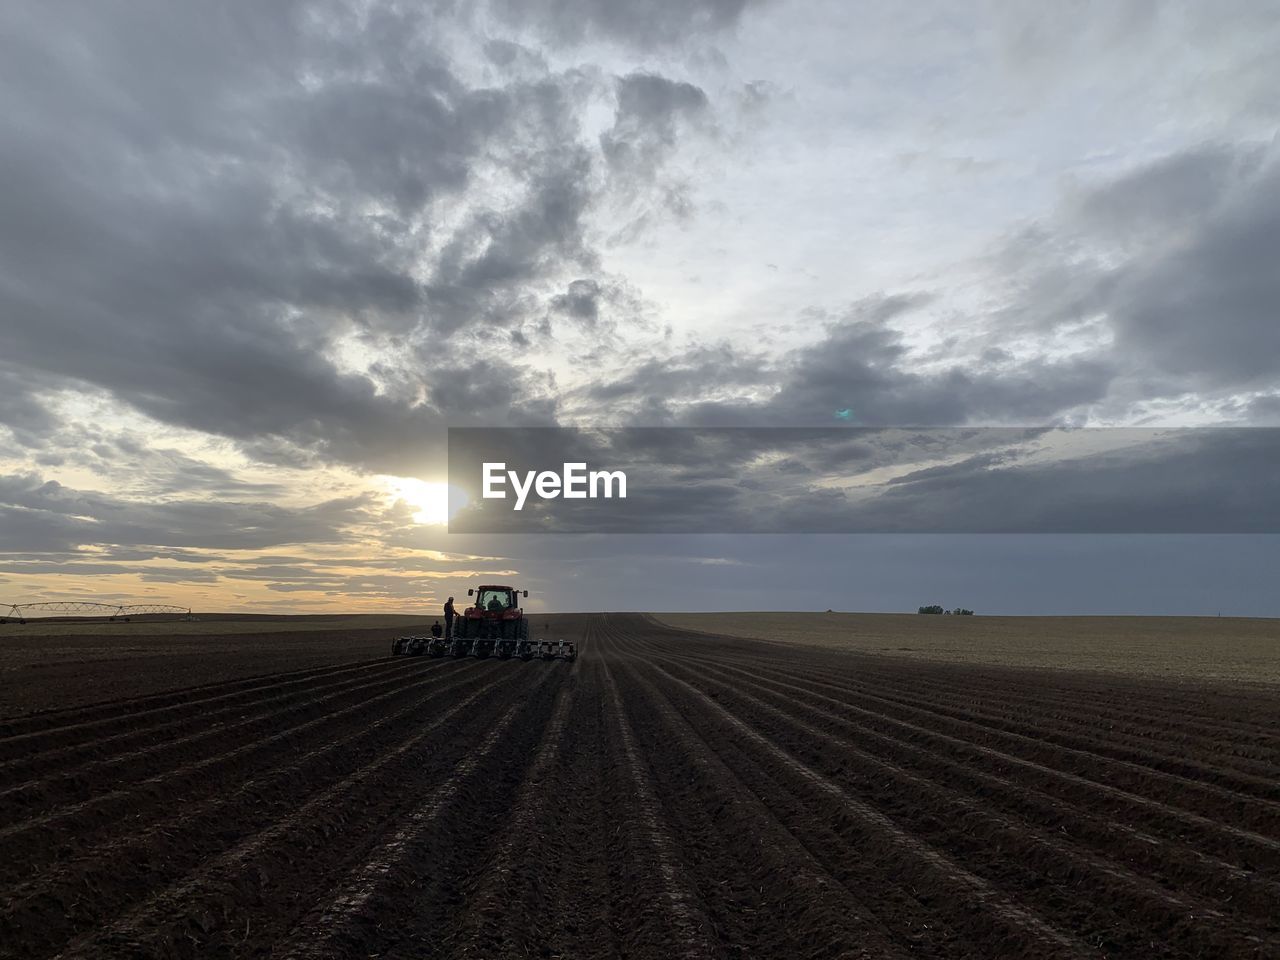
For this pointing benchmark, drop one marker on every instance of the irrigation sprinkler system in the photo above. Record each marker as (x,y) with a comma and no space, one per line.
(90,608)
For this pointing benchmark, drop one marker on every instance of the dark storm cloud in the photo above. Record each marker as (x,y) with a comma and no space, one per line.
(863,367)
(644,25)
(484,268)
(137,465)
(1208,309)
(647,386)
(653,114)
(37,515)
(581,301)
(198,209)
(28,419)
(861,370)
(646,123)
(1172,193)
(1175,260)
(189,224)
(1194,481)
(960,480)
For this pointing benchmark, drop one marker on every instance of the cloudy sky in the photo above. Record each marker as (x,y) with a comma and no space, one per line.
(255,259)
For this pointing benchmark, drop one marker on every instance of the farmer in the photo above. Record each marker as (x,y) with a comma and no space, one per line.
(449,614)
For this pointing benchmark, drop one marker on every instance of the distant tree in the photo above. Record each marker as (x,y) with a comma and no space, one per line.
(932,608)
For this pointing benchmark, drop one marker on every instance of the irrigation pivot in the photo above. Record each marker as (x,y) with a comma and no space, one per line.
(91,608)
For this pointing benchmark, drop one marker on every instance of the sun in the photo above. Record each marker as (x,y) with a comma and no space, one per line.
(429,500)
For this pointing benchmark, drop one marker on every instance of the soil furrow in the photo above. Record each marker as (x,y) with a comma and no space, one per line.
(352,921)
(1169,858)
(128,866)
(33,841)
(490,923)
(26,734)
(144,741)
(684,922)
(811,907)
(262,876)
(1239,712)
(1162,748)
(1184,922)
(1022,926)
(1250,820)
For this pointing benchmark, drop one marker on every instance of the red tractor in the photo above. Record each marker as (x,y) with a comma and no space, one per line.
(495,623)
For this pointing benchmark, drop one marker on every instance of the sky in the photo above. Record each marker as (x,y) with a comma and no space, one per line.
(256,259)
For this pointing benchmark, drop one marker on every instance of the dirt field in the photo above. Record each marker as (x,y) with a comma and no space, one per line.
(45,665)
(667,795)
(1206,648)
(203,625)
(38,672)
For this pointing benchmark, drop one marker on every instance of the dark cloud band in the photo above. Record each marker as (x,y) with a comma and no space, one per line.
(868,480)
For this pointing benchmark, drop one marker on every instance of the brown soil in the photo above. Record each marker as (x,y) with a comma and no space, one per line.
(668,795)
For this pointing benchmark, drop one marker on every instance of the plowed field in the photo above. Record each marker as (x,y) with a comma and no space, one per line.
(669,794)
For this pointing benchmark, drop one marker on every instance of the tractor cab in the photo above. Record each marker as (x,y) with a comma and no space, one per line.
(495,614)
(495,602)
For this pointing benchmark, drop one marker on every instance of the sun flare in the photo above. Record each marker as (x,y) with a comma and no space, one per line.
(430,501)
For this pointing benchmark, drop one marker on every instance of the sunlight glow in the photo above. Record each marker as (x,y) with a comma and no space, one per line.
(430,501)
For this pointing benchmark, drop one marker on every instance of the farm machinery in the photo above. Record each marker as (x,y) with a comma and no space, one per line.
(493,625)
(432,646)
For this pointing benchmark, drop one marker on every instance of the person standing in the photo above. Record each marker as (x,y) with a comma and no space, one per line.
(449,614)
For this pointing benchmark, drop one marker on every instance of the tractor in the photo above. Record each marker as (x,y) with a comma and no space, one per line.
(495,623)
